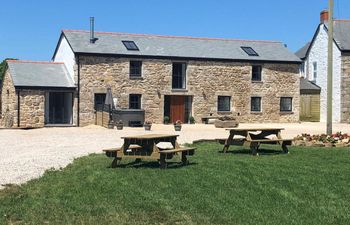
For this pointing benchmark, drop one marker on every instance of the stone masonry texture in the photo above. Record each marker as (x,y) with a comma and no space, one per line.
(32,105)
(206,80)
(8,102)
(345,88)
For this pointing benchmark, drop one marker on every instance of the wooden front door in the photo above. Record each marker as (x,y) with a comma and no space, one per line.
(177,108)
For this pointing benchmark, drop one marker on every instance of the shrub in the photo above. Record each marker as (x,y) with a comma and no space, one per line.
(192,120)
(166,119)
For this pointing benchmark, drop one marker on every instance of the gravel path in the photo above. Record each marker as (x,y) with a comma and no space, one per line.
(26,154)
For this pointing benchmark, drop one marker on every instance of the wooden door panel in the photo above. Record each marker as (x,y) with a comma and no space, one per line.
(177,108)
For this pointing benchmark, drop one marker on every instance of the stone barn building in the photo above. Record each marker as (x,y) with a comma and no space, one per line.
(177,77)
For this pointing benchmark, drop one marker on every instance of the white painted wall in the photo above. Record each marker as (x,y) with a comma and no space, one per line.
(66,55)
(318,53)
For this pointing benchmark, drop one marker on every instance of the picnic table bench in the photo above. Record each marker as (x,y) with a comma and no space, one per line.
(145,147)
(254,137)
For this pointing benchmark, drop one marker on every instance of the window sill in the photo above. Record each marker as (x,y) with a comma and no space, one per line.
(224,112)
(179,90)
(135,78)
(257,81)
(253,112)
(286,113)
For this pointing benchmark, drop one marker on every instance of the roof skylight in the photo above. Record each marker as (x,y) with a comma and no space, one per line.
(250,51)
(130,45)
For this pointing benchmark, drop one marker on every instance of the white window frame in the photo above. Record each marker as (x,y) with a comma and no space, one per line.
(314,71)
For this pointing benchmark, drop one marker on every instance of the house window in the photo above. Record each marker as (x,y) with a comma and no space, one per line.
(99,101)
(256,73)
(134,101)
(179,76)
(255,104)
(135,68)
(224,103)
(314,70)
(302,69)
(286,104)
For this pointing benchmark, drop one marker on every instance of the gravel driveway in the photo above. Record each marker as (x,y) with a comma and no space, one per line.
(26,154)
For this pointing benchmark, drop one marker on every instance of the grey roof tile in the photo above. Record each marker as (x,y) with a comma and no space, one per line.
(342,34)
(305,84)
(301,53)
(185,47)
(39,74)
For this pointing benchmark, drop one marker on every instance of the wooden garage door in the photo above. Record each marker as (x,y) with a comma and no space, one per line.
(310,107)
(177,108)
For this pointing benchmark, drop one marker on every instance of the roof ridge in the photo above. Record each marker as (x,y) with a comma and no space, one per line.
(342,20)
(33,62)
(170,36)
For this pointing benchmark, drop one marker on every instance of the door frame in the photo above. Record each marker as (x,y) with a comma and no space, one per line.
(47,107)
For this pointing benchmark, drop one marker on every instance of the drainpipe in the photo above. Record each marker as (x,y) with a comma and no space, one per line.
(78,108)
(18,108)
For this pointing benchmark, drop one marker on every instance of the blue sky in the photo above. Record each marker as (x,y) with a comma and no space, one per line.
(30,28)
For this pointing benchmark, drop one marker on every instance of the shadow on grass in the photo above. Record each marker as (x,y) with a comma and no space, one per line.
(152,165)
(249,152)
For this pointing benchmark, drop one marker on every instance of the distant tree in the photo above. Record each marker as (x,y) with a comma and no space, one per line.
(3,67)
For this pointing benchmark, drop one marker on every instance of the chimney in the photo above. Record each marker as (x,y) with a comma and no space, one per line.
(92,32)
(324,15)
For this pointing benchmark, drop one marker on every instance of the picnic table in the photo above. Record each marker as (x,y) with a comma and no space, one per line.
(145,147)
(254,137)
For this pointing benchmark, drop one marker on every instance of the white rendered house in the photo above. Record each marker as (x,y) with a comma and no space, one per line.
(314,68)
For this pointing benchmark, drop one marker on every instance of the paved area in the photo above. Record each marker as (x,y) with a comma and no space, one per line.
(26,154)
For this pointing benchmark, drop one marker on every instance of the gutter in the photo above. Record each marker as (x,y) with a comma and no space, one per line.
(257,61)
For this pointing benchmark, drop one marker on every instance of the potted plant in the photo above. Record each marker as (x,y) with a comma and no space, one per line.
(192,120)
(177,125)
(166,119)
(119,125)
(147,125)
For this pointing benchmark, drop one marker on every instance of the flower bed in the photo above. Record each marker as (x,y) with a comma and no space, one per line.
(323,140)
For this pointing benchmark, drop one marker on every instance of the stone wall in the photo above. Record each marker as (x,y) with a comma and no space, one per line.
(32,108)
(345,89)
(32,105)
(206,80)
(8,102)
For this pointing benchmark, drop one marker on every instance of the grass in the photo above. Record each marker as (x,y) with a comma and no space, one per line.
(308,186)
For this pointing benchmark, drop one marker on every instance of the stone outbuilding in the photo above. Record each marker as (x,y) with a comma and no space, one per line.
(35,94)
(180,78)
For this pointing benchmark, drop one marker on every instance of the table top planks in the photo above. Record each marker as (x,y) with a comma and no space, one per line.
(151,136)
(254,129)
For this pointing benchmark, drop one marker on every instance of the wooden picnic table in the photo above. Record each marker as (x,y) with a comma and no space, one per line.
(145,147)
(254,137)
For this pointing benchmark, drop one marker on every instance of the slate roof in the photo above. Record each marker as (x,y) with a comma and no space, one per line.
(182,47)
(341,37)
(39,74)
(301,53)
(307,86)
(342,34)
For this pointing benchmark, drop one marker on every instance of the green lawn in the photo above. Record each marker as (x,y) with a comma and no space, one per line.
(308,186)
